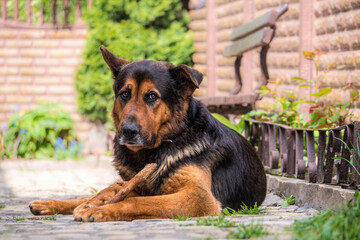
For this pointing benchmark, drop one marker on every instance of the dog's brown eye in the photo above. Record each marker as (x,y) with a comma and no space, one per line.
(125,95)
(151,97)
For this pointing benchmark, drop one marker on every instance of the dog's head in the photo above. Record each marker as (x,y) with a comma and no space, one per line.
(151,99)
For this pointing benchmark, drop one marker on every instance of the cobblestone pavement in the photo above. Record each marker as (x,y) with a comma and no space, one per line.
(24,181)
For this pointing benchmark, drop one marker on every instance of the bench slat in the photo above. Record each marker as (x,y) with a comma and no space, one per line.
(266,20)
(257,39)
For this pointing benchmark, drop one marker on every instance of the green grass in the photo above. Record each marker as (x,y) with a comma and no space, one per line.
(242,232)
(248,231)
(2,206)
(219,221)
(50,218)
(288,201)
(343,224)
(245,210)
(94,190)
(182,218)
(17,218)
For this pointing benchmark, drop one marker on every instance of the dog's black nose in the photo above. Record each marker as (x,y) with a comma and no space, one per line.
(130,130)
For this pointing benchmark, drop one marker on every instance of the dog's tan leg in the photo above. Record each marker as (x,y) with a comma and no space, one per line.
(188,192)
(51,207)
(101,198)
(66,207)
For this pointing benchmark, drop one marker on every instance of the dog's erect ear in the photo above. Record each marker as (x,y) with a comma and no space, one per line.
(188,78)
(112,61)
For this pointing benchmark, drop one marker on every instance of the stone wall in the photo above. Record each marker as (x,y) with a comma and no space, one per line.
(337,32)
(38,66)
(332,26)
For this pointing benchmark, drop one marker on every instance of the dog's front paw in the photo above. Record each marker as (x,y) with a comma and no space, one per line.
(96,214)
(47,207)
(84,214)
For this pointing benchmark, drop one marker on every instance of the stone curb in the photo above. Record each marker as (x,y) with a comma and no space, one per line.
(314,195)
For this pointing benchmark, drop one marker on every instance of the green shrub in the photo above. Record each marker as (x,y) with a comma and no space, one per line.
(133,30)
(342,224)
(44,132)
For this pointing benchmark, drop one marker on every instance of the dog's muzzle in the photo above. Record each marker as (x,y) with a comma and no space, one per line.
(130,135)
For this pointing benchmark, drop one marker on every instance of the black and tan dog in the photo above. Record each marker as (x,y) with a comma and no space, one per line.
(202,166)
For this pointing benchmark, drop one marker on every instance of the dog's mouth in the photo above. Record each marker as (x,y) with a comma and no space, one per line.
(136,141)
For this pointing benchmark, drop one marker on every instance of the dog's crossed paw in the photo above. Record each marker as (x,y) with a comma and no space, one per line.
(95,214)
(47,207)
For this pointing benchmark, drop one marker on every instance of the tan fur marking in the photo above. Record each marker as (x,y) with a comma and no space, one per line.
(125,172)
(188,151)
(187,191)
(51,207)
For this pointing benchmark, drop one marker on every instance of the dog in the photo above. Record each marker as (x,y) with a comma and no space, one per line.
(202,165)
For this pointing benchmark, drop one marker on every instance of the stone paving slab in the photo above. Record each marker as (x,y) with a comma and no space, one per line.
(23,181)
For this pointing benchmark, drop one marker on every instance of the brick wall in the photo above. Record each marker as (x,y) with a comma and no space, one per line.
(38,66)
(332,26)
(199,28)
(337,32)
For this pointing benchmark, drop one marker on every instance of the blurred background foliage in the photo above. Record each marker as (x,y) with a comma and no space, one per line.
(133,30)
(47,7)
(42,132)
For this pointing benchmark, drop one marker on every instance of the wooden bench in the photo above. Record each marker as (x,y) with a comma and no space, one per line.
(257,33)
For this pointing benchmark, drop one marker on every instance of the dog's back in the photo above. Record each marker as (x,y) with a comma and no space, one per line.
(238,176)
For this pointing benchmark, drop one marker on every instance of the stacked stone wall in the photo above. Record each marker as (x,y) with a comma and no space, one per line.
(337,32)
(38,66)
(198,26)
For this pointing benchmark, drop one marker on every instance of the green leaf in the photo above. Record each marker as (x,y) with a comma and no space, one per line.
(288,201)
(309,54)
(227,212)
(354,95)
(292,96)
(322,92)
(226,122)
(300,79)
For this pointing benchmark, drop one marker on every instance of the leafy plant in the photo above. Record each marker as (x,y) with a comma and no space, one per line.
(133,30)
(288,201)
(43,132)
(285,109)
(248,231)
(2,205)
(325,114)
(245,210)
(342,224)
(321,114)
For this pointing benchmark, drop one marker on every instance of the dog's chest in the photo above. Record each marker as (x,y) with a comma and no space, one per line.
(169,159)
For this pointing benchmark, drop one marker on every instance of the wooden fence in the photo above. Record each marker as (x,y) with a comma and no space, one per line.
(319,156)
